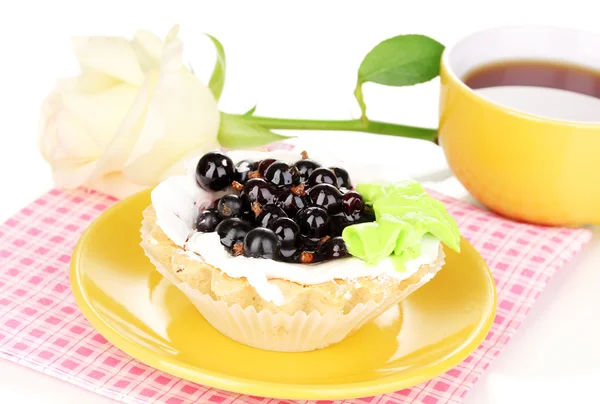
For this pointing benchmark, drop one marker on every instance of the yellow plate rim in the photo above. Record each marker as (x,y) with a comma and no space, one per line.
(239,385)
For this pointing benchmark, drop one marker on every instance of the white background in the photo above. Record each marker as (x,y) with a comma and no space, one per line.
(299,59)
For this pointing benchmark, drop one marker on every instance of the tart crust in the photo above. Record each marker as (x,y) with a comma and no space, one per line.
(336,296)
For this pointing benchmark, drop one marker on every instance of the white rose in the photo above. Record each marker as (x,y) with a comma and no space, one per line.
(130,119)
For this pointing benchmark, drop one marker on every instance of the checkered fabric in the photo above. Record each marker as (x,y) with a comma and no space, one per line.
(41,326)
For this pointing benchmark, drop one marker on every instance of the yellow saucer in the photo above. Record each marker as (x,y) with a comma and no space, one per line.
(141,313)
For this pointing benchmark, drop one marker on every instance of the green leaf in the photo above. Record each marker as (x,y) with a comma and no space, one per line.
(250,112)
(236,132)
(403,60)
(217,78)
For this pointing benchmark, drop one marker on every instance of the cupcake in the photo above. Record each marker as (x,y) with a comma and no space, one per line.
(284,252)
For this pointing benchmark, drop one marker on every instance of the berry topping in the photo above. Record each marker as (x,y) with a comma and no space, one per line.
(305,168)
(232,230)
(282,174)
(334,248)
(261,243)
(322,176)
(269,213)
(309,243)
(215,203)
(243,168)
(230,205)
(367,217)
(313,221)
(288,254)
(263,165)
(343,179)
(326,196)
(361,218)
(215,171)
(291,213)
(352,203)
(258,190)
(207,220)
(286,230)
(292,203)
(339,222)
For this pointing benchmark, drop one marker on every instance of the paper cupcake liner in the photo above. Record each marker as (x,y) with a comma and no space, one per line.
(280,331)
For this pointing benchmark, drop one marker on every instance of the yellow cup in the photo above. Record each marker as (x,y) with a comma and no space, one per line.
(523,157)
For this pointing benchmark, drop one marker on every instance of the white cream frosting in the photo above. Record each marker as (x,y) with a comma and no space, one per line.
(178,199)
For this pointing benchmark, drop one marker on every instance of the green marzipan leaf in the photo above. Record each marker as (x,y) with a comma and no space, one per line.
(237,133)
(217,78)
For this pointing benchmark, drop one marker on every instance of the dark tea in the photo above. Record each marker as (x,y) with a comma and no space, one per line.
(547,74)
(543,88)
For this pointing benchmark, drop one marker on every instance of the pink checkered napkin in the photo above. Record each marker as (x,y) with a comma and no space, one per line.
(42,328)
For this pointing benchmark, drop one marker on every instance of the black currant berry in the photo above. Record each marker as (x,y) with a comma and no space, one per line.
(232,230)
(288,254)
(207,220)
(334,248)
(258,190)
(214,204)
(322,176)
(243,168)
(282,174)
(367,216)
(230,206)
(215,171)
(362,217)
(263,165)
(339,222)
(267,214)
(261,243)
(313,221)
(343,178)
(352,203)
(292,203)
(286,230)
(247,215)
(327,196)
(305,168)
(308,243)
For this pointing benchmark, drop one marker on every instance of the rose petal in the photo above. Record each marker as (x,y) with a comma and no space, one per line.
(172,57)
(72,176)
(114,56)
(92,81)
(63,136)
(148,48)
(126,136)
(172,34)
(182,116)
(102,112)
(172,52)
(115,184)
(118,131)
